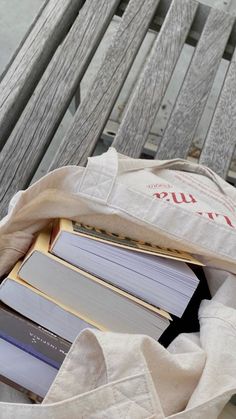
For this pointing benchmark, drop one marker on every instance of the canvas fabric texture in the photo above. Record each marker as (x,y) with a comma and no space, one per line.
(169,203)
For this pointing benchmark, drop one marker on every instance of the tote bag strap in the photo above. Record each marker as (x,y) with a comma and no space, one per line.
(101,172)
(99,176)
(96,381)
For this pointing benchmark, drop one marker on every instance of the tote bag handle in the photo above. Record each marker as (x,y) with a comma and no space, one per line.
(101,172)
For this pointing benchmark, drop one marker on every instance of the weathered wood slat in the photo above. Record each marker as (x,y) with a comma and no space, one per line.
(25,36)
(220,143)
(93,112)
(39,120)
(198,23)
(19,81)
(146,99)
(196,87)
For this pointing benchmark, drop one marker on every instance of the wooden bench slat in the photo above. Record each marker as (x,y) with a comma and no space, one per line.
(94,110)
(39,120)
(196,87)
(19,81)
(23,40)
(146,99)
(220,143)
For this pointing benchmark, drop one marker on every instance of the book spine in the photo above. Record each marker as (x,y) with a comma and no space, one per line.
(32,339)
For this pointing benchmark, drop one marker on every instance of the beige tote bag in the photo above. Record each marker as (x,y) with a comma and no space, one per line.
(171,203)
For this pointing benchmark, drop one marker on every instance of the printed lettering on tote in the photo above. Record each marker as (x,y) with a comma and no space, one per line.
(215,215)
(176,197)
(186,198)
(159,185)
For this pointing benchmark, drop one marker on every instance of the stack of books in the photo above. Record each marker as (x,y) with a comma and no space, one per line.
(76,276)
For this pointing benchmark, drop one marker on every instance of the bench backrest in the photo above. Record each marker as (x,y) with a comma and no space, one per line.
(46,71)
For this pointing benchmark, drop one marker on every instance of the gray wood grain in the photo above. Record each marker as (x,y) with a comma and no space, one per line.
(198,23)
(196,87)
(39,120)
(18,48)
(28,65)
(94,111)
(220,143)
(148,94)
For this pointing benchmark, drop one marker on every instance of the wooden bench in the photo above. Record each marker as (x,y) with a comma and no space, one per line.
(47,69)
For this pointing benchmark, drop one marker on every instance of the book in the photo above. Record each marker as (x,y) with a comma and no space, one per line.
(189,322)
(32,338)
(42,309)
(30,356)
(158,276)
(93,298)
(25,370)
(82,230)
(34,397)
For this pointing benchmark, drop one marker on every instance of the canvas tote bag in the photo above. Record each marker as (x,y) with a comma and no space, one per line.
(170,203)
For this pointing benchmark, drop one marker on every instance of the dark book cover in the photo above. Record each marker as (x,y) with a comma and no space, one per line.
(32,338)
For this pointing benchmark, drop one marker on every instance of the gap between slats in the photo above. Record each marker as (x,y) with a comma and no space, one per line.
(146,99)
(19,81)
(36,126)
(196,87)
(220,143)
(94,111)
